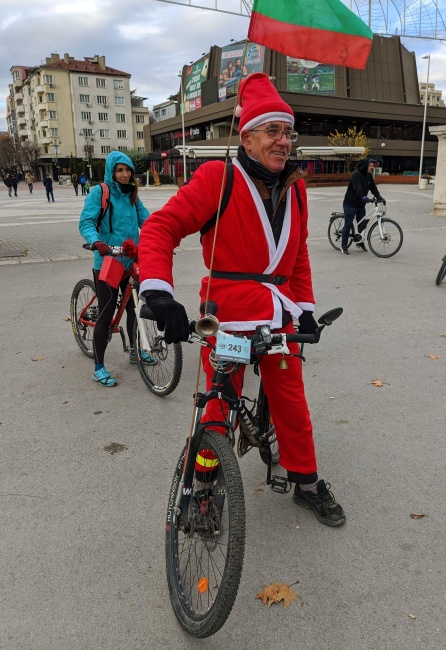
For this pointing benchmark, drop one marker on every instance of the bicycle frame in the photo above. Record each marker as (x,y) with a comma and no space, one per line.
(375,214)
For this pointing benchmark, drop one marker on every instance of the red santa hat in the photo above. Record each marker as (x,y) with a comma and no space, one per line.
(259,102)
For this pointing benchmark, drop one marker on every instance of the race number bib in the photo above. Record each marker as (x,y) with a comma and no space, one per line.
(232,348)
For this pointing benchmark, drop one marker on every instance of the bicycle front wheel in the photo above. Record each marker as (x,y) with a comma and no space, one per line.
(204,563)
(84,304)
(335,228)
(389,243)
(441,273)
(161,377)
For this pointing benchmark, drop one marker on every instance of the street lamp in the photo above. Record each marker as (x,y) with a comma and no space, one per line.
(182,107)
(428,56)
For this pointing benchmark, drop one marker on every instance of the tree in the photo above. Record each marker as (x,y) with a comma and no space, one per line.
(29,154)
(9,155)
(352,138)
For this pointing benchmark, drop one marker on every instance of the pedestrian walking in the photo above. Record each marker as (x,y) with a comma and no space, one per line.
(48,183)
(75,183)
(29,180)
(11,183)
(82,180)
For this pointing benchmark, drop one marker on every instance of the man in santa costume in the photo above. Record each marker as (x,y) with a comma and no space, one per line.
(262,238)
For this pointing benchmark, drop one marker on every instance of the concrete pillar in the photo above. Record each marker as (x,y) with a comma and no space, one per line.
(440,174)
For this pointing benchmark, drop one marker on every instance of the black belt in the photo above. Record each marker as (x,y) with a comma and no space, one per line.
(257,277)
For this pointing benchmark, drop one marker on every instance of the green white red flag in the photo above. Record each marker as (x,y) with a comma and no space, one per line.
(316,30)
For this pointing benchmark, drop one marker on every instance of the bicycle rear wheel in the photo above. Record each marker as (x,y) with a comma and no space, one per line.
(162,378)
(391,241)
(335,228)
(441,273)
(204,564)
(84,302)
(267,429)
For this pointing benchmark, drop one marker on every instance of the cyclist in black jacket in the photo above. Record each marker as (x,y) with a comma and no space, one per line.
(361,183)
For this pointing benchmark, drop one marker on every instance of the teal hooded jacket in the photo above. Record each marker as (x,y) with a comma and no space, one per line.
(126,218)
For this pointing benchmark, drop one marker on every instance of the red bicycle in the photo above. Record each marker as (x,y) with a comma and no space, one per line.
(161,378)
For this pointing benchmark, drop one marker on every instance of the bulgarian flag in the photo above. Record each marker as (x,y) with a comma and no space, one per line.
(315,30)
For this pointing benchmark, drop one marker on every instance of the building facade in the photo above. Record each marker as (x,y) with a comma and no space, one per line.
(383,101)
(433,95)
(74,109)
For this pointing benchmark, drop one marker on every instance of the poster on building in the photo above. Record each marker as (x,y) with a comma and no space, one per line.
(196,73)
(235,66)
(310,77)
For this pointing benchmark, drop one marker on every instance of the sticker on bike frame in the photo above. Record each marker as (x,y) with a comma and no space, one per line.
(232,348)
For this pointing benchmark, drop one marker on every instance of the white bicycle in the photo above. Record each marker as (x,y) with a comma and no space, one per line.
(384,236)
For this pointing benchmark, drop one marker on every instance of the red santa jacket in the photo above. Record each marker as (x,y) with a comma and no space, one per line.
(245,244)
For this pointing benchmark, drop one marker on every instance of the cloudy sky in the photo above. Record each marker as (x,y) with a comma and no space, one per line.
(150,39)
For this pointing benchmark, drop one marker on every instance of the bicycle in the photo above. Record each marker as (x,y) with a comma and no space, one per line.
(441,273)
(384,236)
(161,378)
(205,524)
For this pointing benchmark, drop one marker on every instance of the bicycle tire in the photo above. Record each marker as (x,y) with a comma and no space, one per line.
(162,378)
(392,233)
(265,424)
(441,273)
(335,228)
(83,292)
(213,557)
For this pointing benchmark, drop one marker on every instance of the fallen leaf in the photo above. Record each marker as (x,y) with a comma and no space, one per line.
(412,616)
(38,359)
(433,356)
(275,592)
(443,336)
(67,318)
(377,382)
(66,402)
(417,516)
(115,447)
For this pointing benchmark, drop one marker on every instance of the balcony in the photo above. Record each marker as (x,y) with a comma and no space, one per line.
(23,133)
(41,107)
(18,97)
(43,124)
(20,109)
(39,89)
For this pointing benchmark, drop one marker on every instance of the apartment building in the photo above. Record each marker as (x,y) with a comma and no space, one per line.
(74,109)
(433,95)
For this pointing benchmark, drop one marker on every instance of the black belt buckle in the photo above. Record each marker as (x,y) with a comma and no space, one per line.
(278,279)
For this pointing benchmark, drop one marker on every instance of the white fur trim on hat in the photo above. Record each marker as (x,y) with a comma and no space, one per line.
(268,117)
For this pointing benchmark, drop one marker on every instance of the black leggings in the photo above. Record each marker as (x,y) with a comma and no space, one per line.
(107,299)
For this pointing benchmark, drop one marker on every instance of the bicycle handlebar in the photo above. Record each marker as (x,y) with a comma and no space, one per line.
(115,251)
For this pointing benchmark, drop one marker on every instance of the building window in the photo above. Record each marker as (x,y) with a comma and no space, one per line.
(45,149)
(100,83)
(103,117)
(84,99)
(56,148)
(48,79)
(118,84)
(163,111)
(102,99)
(122,148)
(120,117)
(86,132)
(50,97)
(52,115)
(140,135)
(141,149)
(86,115)
(83,81)
(105,148)
(119,101)
(157,114)
(16,75)
(140,119)
(122,134)
(54,132)
(104,133)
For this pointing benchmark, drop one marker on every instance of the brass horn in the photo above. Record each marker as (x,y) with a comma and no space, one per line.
(207,325)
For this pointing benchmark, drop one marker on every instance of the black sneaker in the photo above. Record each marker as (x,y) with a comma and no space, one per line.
(362,247)
(323,504)
(344,250)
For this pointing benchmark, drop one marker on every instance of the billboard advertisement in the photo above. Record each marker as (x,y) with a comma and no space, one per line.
(236,64)
(195,74)
(310,77)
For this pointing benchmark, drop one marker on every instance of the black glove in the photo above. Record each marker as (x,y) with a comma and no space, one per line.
(307,324)
(102,248)
(170,315)
(366,199)
(380,198)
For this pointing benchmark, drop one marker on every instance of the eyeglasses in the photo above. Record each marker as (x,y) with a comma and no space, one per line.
(275,133)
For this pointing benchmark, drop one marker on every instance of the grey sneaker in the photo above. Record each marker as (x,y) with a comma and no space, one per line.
(323,504)
(344,250)
(362,247)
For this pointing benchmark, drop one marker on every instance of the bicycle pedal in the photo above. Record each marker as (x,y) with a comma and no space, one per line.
(280,484)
